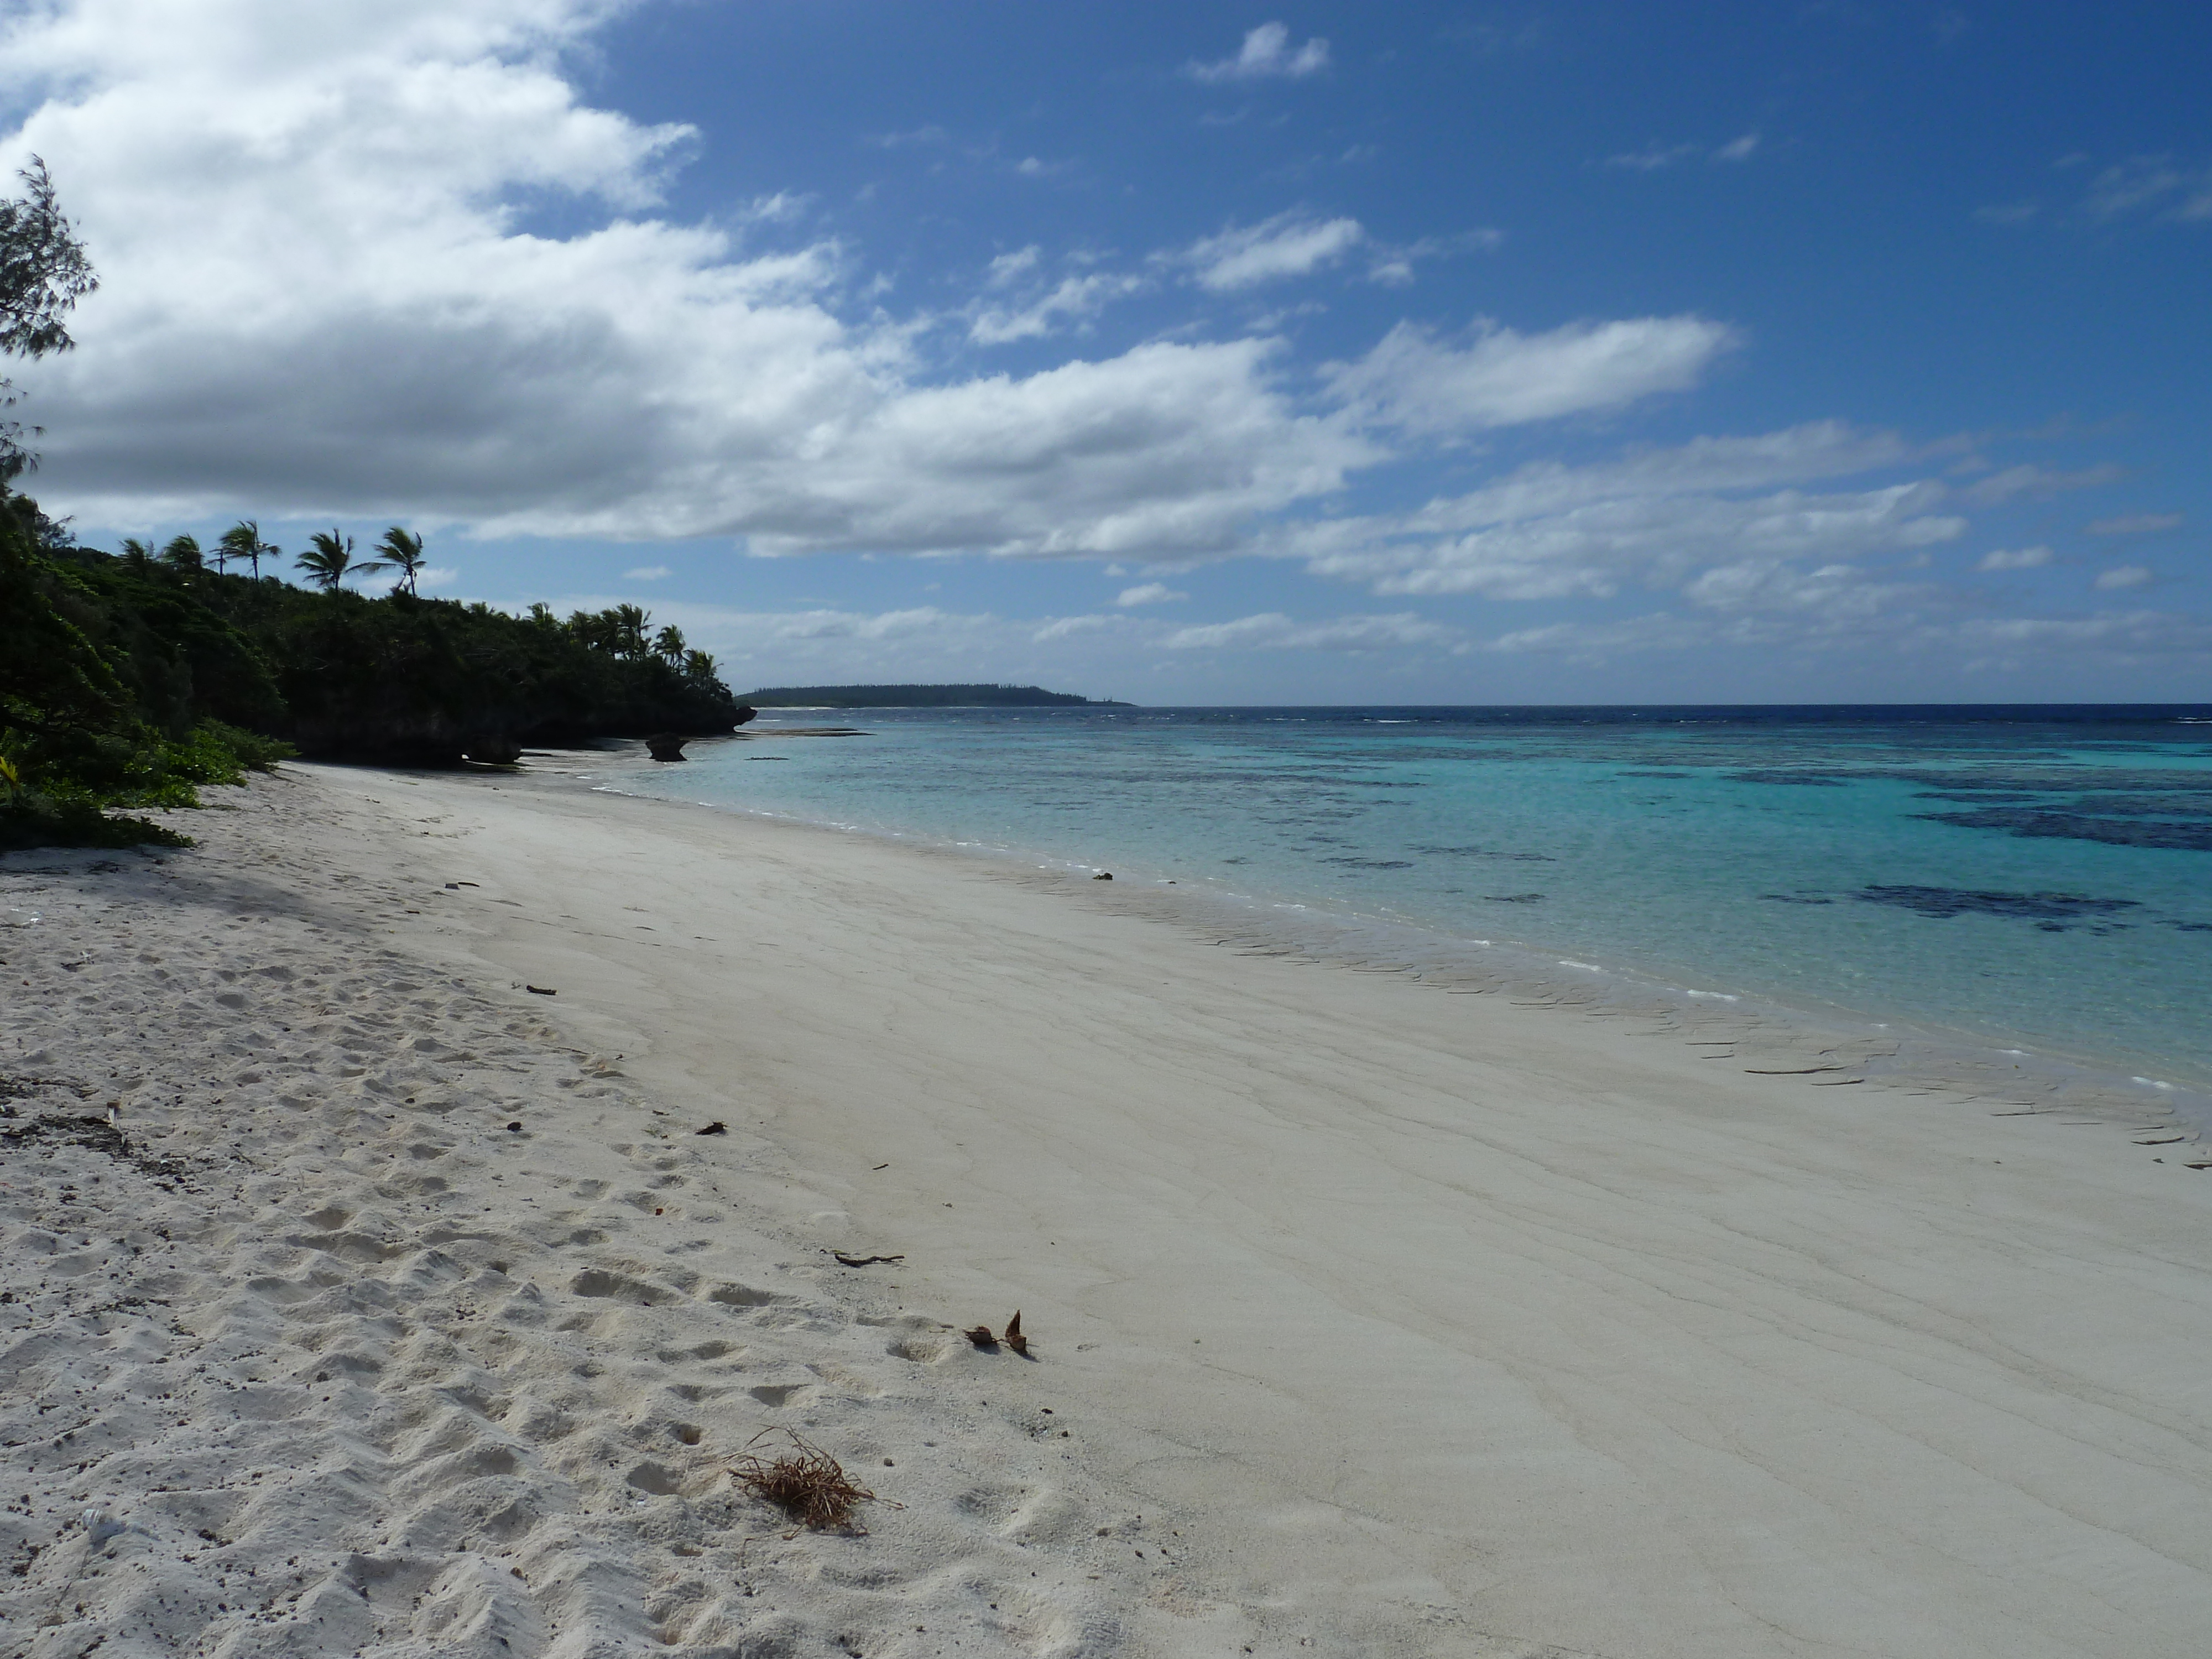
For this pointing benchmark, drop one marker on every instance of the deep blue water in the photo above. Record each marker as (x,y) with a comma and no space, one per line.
(2033,877)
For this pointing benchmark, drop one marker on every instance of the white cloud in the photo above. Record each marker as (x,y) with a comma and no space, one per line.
(2130,636)
(1271,630)
(2120,576)
(1655,518)
(1652,157)
(2172,189)
(320,296)
(2024,559)
(648,573)
(1149,593)
(436,575)
(1060,627)
(1010,267)
(923,138)
(1975,644)
(2036,481)
(1655,540)
(2136,524)
(1393,266)
(855,625)
(1075,299)
(1288,245)
(1267,53)
(1503,378)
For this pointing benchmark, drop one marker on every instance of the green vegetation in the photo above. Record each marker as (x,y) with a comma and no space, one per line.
(125,680)
(97,702)
(917,696)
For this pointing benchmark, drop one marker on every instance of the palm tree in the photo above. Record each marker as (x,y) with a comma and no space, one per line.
(184,553)
(630,622)
(668,646)
(404,553)
(243,541)
(137,552)
(331,561)
(698,666)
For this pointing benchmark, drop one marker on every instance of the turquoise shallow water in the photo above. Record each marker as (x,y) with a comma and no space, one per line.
(2037,878)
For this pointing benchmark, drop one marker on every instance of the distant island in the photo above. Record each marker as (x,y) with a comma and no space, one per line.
(919,696)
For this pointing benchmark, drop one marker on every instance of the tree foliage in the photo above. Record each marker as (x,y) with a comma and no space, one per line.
(108,704)
(402,551)
(44,272)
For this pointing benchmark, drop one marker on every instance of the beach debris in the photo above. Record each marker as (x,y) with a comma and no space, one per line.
(1104,875)
(540,991)
(982,1338)
(515,1127)
(865,1260)
(1014,1339)
(806,1483)
(717,1127)
(879,1166)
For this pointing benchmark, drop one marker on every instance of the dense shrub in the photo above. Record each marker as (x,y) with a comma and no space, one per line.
(129,681)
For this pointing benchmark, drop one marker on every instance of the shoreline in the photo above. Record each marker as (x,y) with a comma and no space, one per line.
(1894,1051)
(1427,1324)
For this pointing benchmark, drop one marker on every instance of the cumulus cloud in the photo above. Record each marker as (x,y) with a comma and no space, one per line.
(1271,630)
(1288,245)
(1267,54)
(2021,558)
(2120,576)
(1655,518)
(2136,524)
(1149,593)
(1500,377)
(322,293)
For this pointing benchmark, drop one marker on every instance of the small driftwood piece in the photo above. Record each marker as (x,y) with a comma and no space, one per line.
(864,1261)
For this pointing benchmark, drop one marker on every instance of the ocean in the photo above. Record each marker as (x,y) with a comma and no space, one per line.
(2026,886)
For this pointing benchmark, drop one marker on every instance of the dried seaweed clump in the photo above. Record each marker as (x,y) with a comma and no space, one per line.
(806,1483)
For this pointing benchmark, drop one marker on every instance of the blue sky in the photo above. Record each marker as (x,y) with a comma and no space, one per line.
(1183,354)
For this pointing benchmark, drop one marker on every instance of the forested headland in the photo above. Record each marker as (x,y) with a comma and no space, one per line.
(128,679)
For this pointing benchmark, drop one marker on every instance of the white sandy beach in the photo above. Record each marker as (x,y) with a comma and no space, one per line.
(1368,1319)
